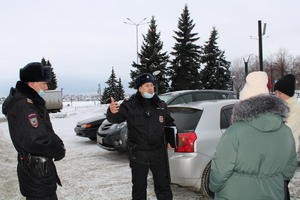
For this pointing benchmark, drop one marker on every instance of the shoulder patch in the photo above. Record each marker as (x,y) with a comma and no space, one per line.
(29,101)
(33,120)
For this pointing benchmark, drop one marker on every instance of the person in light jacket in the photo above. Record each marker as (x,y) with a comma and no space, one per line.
(285,89)
(257,152)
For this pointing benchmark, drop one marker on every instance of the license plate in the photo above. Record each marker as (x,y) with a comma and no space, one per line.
(100,140)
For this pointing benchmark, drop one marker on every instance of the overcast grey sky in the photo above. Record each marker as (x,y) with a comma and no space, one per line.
(83,39)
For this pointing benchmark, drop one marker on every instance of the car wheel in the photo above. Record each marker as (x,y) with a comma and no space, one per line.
(205,182)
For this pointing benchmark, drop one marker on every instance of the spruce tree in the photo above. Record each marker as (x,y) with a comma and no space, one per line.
(43,61)
(152,58)
(215,73)
(52,85)
(184,69)
(111,90)
(121,93)
(105,98)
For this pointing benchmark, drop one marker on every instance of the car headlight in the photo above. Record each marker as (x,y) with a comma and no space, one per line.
(86,125)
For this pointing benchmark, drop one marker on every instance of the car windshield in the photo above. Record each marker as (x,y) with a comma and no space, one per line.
(186,119)
(166,97)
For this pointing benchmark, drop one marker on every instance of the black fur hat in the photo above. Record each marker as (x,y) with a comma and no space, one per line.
(35,72)
(286,85)
(144,78)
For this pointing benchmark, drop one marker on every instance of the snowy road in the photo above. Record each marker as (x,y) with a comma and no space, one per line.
(87,172)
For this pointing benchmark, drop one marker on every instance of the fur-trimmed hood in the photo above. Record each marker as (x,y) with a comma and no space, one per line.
(254,111)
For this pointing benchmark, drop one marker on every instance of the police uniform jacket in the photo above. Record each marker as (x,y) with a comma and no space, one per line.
(32,134)
(146,120)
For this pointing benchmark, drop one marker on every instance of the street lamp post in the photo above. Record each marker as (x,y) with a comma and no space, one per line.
(261,33)
(130,22)
(260,46)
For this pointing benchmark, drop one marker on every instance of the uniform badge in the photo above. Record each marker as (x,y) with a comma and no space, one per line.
(33,120)
(161,119)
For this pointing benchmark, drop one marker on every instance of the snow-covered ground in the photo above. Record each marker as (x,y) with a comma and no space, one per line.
(87,172)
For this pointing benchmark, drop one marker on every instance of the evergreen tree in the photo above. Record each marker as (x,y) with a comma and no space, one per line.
(111,90)
(120,90)
(216,73)
(152,58)
(43,61)
(52,85)
(184,70)
(105,98)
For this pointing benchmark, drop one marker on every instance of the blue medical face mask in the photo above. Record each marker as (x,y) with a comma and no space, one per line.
(41,93)
(148,95)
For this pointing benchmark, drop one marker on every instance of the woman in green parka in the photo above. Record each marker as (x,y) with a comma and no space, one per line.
(257,152)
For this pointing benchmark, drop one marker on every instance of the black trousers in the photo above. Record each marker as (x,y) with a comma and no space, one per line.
(161,181)
(52,197)
(286,190)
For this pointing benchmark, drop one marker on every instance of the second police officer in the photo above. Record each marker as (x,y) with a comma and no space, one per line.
(146,117)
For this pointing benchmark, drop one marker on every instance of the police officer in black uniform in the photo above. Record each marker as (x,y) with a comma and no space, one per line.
(146,117)
(32,134)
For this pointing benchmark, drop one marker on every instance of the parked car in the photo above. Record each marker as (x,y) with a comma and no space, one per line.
(186,96)
(113,137)
(88,128)
(199,128)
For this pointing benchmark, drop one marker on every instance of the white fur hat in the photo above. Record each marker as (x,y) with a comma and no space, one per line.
(256,84)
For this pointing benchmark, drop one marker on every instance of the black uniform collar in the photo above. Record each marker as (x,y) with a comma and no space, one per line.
(154,100)
(30,93)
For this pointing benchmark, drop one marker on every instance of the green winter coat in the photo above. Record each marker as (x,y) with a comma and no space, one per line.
(256,154)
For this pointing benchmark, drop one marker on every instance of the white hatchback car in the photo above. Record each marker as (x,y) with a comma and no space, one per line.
(199,128)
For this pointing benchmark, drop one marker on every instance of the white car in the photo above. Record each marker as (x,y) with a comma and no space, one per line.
(199,128)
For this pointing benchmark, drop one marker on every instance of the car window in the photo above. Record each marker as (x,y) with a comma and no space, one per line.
(187,98)
(226,113)
(186,119)
(202,96)
(178,100)
(232,96)
(226,95)
(223,96)
(166,97)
